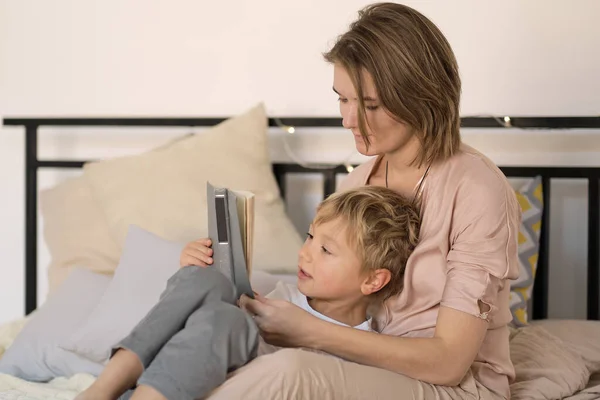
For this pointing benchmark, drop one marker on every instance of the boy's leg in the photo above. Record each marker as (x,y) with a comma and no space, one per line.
(217,338)
(120,374)
(187,290)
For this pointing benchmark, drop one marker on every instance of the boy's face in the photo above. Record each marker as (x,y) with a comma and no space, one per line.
(328,268)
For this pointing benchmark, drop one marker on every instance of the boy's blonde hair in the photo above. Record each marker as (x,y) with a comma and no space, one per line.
(382,226)
(414,71)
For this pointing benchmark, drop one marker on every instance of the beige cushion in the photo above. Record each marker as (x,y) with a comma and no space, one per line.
(546,367)
(75,232)
(164,190)
(530,197)
(580,336)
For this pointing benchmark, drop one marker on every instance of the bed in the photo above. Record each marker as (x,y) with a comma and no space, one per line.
(138,209)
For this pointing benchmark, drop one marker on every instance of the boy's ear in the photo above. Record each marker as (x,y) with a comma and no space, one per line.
(376,281)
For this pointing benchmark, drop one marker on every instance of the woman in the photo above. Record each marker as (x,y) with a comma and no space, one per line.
(446,335)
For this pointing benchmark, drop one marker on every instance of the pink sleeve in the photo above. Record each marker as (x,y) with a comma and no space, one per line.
(348,182)
(483,247)
(356,178)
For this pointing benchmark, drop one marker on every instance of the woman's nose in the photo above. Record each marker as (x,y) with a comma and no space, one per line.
(349,116)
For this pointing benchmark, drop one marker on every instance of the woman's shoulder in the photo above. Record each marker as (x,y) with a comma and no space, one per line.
(480,195)
(473,174)
(471,163)
(358,176)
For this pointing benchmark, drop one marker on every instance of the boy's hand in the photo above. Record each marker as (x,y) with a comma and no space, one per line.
(197,253)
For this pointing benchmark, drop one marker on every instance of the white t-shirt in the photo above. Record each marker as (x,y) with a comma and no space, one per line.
(289,292)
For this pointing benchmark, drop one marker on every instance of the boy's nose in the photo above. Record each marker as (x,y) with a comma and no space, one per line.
(305,253)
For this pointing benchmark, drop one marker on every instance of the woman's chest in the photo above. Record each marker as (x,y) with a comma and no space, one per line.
(425,273)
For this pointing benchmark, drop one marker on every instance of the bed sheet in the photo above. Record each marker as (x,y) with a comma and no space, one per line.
(63,388)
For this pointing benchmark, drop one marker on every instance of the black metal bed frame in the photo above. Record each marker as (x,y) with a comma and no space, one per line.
(540,290)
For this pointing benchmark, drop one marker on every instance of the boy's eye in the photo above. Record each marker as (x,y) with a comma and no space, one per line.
(325,250)
(308,235)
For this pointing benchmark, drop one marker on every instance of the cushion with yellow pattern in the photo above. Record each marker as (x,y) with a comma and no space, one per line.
(531,201)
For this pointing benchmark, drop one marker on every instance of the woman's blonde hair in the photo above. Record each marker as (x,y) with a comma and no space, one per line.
(414,70)
(381,225)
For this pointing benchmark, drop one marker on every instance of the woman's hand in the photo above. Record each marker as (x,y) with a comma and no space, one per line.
(197,253)
(281,323)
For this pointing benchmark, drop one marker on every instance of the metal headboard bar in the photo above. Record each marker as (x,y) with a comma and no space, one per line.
(578,122)
(540,292)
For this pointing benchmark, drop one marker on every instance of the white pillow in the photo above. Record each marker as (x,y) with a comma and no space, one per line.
(35,354)
(146,264)
(264,282)
(164,190)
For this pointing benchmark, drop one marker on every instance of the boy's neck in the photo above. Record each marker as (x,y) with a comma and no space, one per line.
(351,313)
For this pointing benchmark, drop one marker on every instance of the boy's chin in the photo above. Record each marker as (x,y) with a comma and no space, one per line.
(305,290)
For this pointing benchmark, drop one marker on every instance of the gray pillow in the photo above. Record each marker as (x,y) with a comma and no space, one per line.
(147,262)
(35,354)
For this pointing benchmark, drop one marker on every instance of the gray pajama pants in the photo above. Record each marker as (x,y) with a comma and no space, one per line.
(193,336)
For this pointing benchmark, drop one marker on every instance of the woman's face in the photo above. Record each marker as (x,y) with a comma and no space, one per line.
(386,134)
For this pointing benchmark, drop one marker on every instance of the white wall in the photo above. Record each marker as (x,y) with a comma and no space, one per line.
(200,58)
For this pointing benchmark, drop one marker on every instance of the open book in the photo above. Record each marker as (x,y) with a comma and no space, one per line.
(230,228)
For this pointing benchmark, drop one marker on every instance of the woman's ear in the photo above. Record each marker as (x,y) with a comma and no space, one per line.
(375,281)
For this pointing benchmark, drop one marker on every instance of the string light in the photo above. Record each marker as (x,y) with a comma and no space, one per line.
(291,130)
(505,122)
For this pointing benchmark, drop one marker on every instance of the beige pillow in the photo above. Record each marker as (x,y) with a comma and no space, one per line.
(545,366)
(580,336)
(164,190)
(75,232)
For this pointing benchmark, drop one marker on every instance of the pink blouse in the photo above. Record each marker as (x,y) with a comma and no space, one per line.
(467,251)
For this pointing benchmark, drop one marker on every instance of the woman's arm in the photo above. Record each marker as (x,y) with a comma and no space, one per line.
(441,360)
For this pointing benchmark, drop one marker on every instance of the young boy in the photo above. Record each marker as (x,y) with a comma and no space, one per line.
(353,258)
